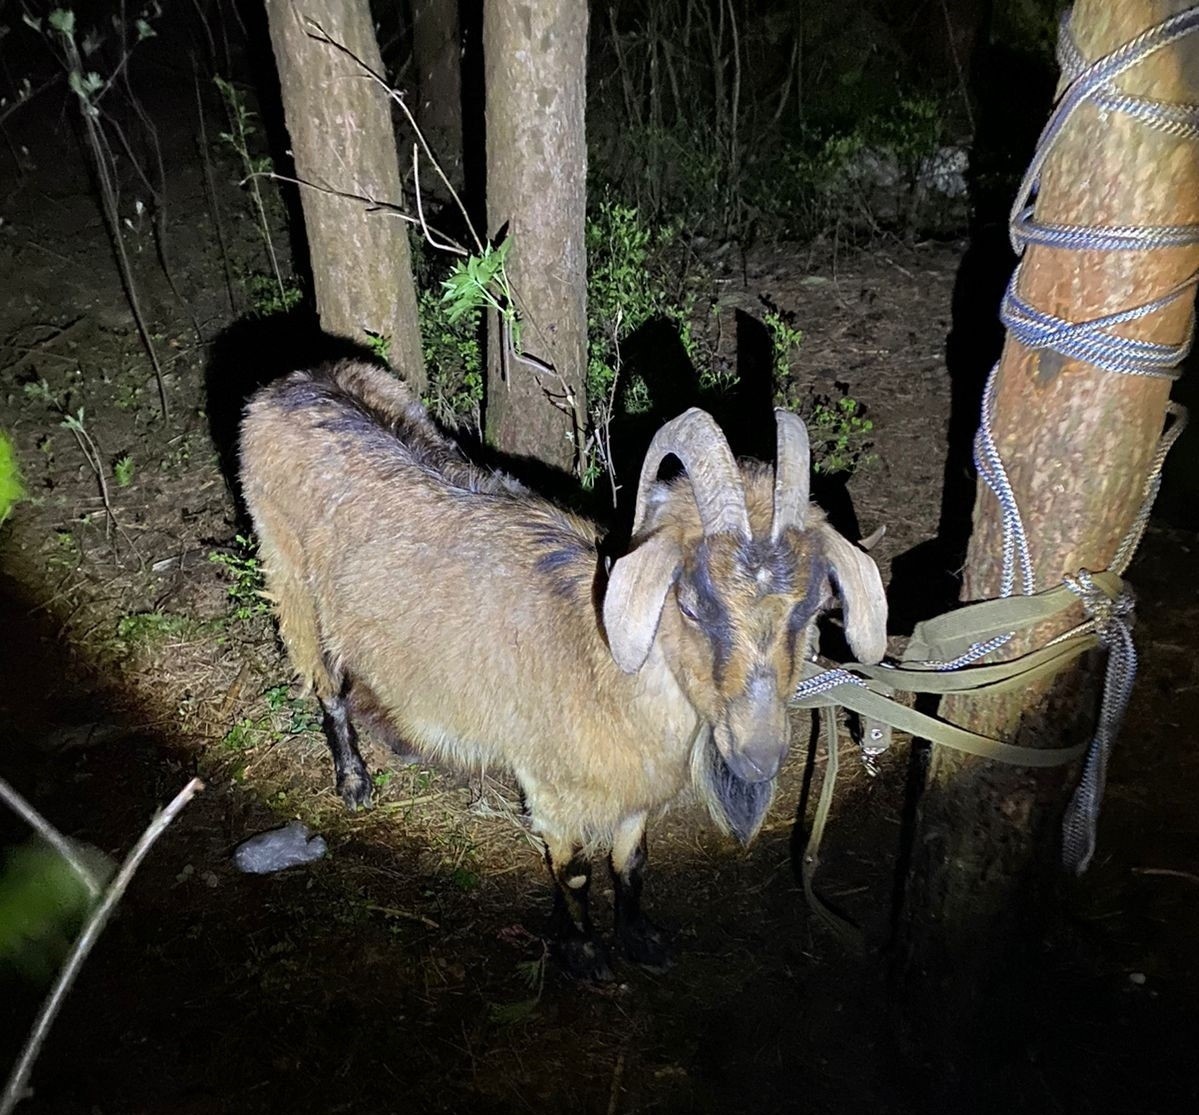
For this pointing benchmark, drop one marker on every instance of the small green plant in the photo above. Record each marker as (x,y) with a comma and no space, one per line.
(379,345)
(532,972)
(122,470)
(291,715)
(246,590)
(12,491)
(237,138)
(144,628)
(453,361)
(267,297)
(839,435)
(285,716)
(243,736)
(480,281)
(64,551)
(74,420)
(382,779)
(785,339)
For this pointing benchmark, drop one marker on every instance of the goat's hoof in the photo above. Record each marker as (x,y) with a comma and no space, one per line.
(355,789)
(584,958)
(645,945)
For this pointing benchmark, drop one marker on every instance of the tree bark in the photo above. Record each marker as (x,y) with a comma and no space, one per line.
(535,68)
(342,138)
(1077,444)
(436,53)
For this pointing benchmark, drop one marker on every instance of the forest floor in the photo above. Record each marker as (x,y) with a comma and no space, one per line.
(407,970)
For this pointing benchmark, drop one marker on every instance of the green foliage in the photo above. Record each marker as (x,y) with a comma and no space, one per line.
(1030,26)
(144,628)
(267,297)
(122,470)
(532,973)
(632,279)
(481,281)
(12,490)
(379,345)
(42,904)
(286,292)
(245,570)
(285,716)
(453,361)
(752,120)
(627,286)
(785,339)
(839,435)
(294,714)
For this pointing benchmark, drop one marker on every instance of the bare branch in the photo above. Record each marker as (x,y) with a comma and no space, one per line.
(14,1090)
(51,836)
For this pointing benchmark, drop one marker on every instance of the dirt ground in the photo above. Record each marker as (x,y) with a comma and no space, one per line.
(406,971)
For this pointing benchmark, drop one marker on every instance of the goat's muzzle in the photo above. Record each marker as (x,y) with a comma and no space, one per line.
(755,733)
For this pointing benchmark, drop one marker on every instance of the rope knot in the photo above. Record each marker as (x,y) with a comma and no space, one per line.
(1112,616)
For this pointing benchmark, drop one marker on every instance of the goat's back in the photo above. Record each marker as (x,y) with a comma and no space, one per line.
(462,604)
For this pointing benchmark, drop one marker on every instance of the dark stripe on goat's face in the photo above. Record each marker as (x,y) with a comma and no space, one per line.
(805,611)
(711,611)
(751,600)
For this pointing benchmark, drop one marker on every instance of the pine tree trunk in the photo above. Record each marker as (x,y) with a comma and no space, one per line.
(342,138)
(535,66)
(436,53)
(1077,443)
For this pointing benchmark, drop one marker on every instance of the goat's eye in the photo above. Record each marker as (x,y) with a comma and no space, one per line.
(687,607)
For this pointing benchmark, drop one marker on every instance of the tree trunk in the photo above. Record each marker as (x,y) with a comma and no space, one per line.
(1077,444)
(342,139)
(535,65)
(436,54)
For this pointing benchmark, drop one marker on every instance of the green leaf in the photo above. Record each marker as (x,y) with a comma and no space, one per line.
(11,488)
(42,903)
(63,21)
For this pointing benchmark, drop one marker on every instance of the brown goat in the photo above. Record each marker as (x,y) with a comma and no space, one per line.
(475,622)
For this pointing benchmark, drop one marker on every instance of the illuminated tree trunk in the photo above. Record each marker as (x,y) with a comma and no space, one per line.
(342,139)
(1077,444)
(535,67)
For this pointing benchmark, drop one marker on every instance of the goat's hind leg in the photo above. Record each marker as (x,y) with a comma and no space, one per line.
(352,778)
(640,939)
(580,952)
(282,560)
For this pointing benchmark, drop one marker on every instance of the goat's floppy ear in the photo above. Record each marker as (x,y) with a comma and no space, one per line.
(862,598)
(633,603)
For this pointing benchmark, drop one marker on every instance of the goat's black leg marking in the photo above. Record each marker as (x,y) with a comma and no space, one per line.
(580,952)
(352,778)
(640,939)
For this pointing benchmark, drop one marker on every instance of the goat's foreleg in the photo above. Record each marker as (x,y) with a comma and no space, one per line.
(640,940)
(577,947)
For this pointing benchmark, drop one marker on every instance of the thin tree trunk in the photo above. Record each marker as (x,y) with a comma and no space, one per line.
(535,64)
(437,54)
(1077,444)
(342,139)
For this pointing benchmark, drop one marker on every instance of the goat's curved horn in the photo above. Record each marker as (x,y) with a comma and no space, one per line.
(697,441)
(791,474)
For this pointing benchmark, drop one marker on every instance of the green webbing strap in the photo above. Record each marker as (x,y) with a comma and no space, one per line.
(921,670)
(947,636)
(849,934)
